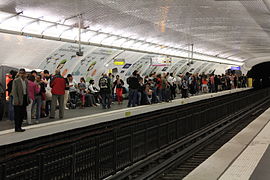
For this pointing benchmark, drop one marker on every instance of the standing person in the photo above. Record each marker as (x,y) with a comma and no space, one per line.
(118,84)
(204,85)
(38,97)
(10,97)
(172,83)
(105,91)
(82,88)
(184,89)
(217,82)
(112,97)
(133,83)
(2,101)
(20,99)
(165,88)
(48,94)
(33,90)
(140,91)
(159,88)
(58,85)
(66,93)
(178,81)
(212,83)
(192,85)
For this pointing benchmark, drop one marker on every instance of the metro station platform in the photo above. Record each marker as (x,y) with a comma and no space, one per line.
(79,118)
(246,156)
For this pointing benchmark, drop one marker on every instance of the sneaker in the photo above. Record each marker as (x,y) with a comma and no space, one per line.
(36,121)
(19,130)
(66,108)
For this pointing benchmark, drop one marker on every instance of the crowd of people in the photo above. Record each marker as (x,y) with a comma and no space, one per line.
(35,95)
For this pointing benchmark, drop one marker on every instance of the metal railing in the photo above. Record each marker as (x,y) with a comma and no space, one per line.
(99,151)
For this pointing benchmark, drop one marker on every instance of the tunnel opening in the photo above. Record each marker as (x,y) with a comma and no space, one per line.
(260,74)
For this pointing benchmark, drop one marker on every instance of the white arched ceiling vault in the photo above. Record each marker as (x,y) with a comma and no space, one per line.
(32,53)
(235,30)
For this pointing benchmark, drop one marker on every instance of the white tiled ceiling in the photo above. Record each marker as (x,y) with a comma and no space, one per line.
(224,28)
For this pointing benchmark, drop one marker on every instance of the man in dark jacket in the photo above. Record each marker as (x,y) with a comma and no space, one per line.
(58,85)
(105,91)
(133,83)
(20,99)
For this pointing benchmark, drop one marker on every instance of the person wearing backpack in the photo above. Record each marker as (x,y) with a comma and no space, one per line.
(184,89)
(133,83)
(105,91)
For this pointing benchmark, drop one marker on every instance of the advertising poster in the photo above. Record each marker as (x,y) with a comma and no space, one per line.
(63,58)
(198,69)
(93,65)
(140,65)
(207,69)
(176,66)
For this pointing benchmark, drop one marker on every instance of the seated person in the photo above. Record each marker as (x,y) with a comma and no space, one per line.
(92,96)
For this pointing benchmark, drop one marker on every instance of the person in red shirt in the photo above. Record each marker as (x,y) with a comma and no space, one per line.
(58,85)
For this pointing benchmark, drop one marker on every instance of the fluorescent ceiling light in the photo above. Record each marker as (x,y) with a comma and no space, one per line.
(119,42)
(55,31)
(36,27)
(98,38)
(109,40)
(70,34)
(87,35)
(15,23)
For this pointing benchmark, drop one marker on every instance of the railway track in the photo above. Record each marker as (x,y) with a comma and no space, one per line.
(195,160)
(179,159)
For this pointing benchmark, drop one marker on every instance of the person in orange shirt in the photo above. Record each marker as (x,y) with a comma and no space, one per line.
(204,85)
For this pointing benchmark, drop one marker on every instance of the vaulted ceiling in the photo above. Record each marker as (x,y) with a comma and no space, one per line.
(238,30)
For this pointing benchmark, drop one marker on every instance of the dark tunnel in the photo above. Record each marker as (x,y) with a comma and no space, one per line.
(260,74)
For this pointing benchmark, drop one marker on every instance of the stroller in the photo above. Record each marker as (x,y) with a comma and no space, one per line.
(74,100)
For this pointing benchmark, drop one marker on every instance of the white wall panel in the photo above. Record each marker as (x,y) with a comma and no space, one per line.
(20,51)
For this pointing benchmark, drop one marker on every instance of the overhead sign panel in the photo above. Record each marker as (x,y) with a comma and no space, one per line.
(161,61)
(236,68)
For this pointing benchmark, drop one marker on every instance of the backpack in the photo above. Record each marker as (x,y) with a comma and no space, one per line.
(103,83)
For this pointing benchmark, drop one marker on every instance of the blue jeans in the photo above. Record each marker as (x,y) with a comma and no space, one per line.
(106,99)
(139,98)
(155,98)
(159,94)
(10,109)
(37,103)
(132,97)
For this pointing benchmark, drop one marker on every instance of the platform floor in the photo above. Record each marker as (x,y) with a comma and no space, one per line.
(70,113)
(246,156)
(6,124)
(79,118)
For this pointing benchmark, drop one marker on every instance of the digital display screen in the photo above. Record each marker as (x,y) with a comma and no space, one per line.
(236,68)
